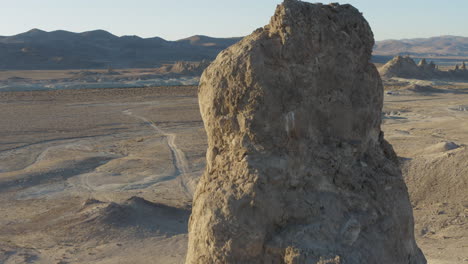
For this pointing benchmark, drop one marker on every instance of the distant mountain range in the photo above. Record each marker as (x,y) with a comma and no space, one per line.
(38,49)
(429,47)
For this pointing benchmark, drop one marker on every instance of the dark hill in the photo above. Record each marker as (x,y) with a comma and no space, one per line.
(38,49)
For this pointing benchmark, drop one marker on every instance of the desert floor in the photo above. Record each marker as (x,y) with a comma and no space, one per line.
(61,74)
(107,175)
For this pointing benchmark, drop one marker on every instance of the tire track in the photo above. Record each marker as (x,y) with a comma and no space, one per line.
(178,156)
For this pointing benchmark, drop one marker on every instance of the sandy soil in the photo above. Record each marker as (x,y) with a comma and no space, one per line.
(429,131)
(71,161)
(107,176)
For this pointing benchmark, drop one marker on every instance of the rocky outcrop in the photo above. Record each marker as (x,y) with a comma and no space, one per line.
(186,68)
(297,167)
(422,63)
(405,67)
(459,72)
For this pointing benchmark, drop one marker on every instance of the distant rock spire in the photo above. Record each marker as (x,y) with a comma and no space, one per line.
(463,66)
(422,62)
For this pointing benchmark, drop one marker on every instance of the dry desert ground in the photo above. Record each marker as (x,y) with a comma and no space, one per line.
(107,175)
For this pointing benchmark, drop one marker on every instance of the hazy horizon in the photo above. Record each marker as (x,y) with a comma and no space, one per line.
(97,29)
(396,19)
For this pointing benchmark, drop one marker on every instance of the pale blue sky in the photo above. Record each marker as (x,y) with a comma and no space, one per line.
(175,19)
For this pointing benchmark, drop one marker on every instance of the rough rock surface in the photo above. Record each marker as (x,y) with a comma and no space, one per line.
(297,167)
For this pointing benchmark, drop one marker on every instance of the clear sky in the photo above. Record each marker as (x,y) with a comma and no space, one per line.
(176,19)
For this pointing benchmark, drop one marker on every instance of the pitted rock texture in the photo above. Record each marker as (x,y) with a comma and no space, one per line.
(297,167)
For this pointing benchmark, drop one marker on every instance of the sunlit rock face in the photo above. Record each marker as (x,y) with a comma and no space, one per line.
(297,167)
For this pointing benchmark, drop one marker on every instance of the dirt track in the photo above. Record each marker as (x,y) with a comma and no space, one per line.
(59,149)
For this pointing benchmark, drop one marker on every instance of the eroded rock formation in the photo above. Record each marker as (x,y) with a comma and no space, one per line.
(297,167)
(186,68)
(405,67)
